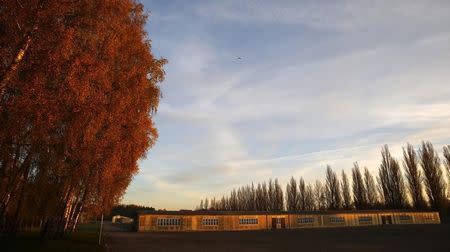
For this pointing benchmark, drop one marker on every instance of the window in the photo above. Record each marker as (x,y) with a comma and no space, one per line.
(337,219)
(365,220)
(168,222)
(210,222)
(248,221)
(305,220)
(405,217)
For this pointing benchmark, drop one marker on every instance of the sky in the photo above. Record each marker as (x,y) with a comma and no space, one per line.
(262,89)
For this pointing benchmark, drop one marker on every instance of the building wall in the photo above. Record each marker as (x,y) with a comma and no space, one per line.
(239,222)
(121,219)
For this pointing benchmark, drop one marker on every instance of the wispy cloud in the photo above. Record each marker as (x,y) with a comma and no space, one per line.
(344,15)
(320,82)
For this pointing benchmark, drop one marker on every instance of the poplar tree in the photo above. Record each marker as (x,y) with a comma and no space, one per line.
(319,196)
(346,196)
(413,177)
(447,164)
(434,178)
(391,181)
(265,203)
(301,203)
(389,191)
(206,204)
(291,195)
(333,192)
(271,196)
(309,198)
(359,189)
(371,190)
(253,198)
(233,201)
(260,206)
(279,198)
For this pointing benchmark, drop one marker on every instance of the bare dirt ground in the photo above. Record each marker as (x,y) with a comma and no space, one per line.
(396,238)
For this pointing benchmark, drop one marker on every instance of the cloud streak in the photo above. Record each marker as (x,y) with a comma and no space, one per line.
(321,82)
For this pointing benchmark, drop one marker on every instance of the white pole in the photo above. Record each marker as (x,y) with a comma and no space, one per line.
(101,229)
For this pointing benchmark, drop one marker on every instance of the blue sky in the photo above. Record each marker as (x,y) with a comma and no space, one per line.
(319,82)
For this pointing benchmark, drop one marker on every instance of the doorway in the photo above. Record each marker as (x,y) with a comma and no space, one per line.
(278,223)
(386,219)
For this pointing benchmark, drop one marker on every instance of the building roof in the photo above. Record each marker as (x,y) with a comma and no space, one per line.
(210,212)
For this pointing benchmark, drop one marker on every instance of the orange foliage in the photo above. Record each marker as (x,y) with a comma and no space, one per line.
(76,110)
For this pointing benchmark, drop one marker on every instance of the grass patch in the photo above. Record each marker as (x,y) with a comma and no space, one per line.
(91,227)
(85,238)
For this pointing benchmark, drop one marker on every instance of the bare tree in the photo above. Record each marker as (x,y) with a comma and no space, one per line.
(391,181)
(279,199)
(319,196)
(371,190)
(346,197)
(291,195)
(309,198)
(265,192)
(447,163)
(333,189)
(212,204)
(382,200)
(389,190)
(434,180)
(240,199)
(260,198)
(271,195)
(252,198)
(223,204)
(301,204)
(359,189)
(206,204)
(243,201)
(233,201)
(413,177)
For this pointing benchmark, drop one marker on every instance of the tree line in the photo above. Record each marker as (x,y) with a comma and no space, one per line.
(78,90)
(421,184)
(128,210)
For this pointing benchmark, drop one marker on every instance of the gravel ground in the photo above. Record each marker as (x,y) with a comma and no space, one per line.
(397,238)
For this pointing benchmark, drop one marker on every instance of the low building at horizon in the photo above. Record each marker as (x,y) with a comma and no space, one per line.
(239,221)
(121,219)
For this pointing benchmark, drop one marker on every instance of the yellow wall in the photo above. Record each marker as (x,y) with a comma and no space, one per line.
(230,222)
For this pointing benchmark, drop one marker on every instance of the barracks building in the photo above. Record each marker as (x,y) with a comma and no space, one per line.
(174,221)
